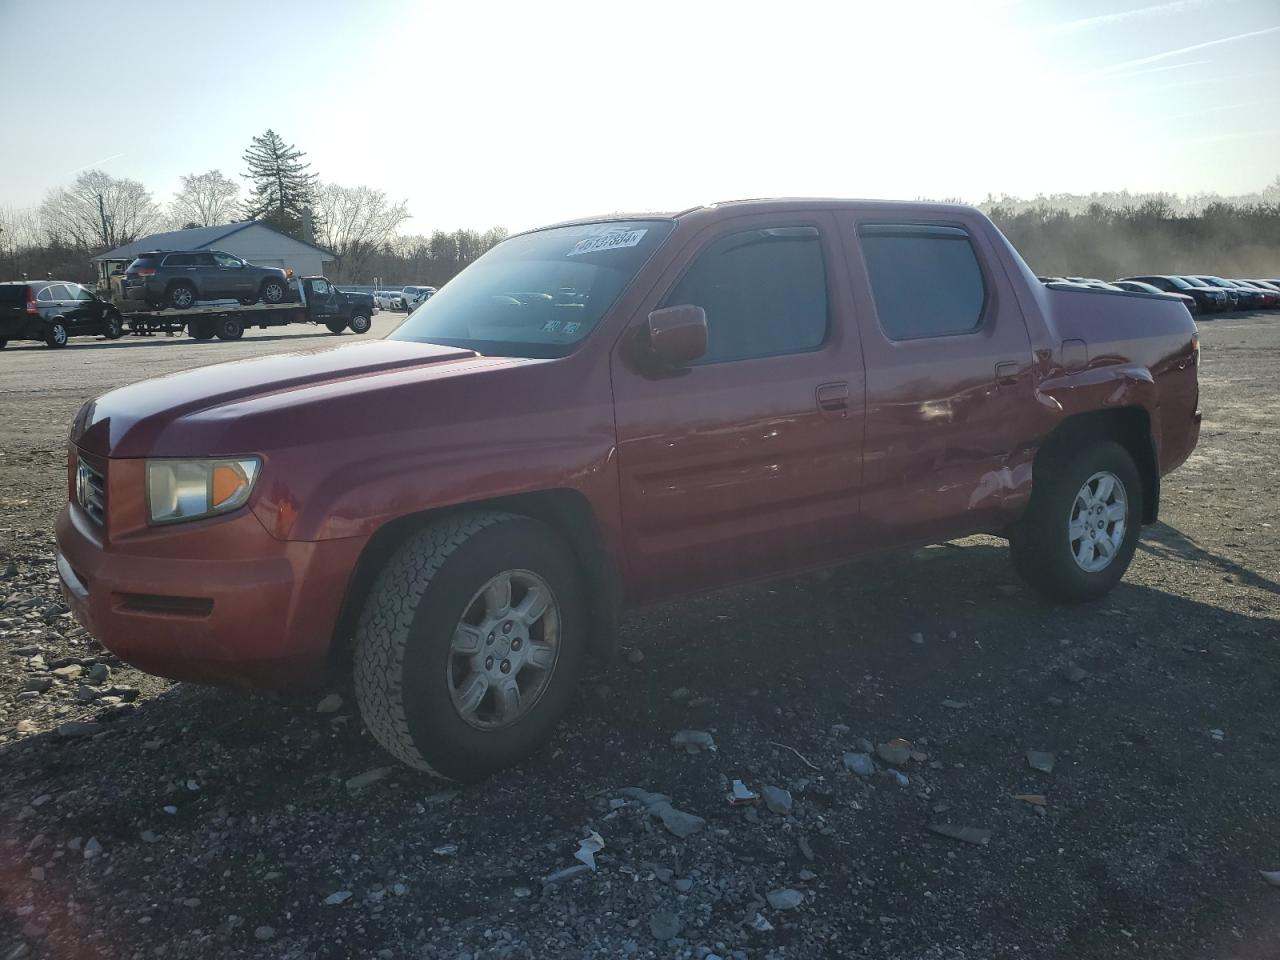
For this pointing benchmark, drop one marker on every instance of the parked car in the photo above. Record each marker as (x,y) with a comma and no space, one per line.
(180,279)
(388,299)
(608,413)
(1137,286)
(1270,296)
(1209,299)
(53,311)
(415,296)
(1241,298)
(1093,282)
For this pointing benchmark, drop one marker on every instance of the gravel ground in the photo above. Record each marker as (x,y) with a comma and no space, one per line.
(140,818)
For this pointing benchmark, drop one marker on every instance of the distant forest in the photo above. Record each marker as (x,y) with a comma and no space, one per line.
(1116,235)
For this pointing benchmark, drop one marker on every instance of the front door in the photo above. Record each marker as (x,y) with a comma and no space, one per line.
(949,378)
(322,300)
(748,462)
(232,276)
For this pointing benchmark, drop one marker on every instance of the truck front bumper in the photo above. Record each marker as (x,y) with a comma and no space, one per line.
(262,613)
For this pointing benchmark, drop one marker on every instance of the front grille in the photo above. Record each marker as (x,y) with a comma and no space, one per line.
(91,490)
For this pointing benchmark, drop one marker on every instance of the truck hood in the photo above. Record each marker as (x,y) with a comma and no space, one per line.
(248,404)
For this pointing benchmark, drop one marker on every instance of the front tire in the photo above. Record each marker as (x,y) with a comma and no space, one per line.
(1082,526)
(360,323)
(273,291)
(200,330)
(470,644)
(55,334)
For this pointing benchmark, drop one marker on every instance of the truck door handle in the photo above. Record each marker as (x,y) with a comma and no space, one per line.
(1007,373)
(833,396)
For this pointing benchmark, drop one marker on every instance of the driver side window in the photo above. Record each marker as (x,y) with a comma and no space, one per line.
(764,293)
(226,260)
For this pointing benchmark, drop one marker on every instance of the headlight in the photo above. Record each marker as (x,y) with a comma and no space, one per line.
(190,489)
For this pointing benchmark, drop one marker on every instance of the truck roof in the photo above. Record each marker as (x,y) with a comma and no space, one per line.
(779,205)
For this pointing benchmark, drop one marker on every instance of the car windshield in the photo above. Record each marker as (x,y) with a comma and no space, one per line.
(537,294)
(1179,283)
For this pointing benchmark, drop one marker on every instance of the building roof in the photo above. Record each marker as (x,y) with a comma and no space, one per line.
(196,238)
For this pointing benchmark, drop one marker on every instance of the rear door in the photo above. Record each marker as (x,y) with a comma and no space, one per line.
(747,463)
(209,279)
(949,378)
(66,306)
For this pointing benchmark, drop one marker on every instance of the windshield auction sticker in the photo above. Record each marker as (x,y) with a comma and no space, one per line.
(617,240)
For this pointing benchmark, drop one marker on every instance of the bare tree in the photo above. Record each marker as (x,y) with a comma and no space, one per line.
(354,223)
(99,212)
(205,199)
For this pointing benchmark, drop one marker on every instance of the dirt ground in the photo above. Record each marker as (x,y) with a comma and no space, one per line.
(196,822)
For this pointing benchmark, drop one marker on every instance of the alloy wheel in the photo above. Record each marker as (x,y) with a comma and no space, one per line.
(504,650)
(1099,517)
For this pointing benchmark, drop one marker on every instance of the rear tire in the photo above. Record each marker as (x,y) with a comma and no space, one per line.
(200,329)
(441,642)
(182,296)
(55,334)
(1082,526)
(360,323)
(228,328)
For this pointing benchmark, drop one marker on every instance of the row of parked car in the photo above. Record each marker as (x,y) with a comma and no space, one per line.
(408,299)
(1201,294)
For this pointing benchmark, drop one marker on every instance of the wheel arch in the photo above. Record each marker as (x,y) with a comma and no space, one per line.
(1129,426)
(564,510)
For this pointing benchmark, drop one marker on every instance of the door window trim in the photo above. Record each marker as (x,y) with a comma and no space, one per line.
(943,228)
(731,229)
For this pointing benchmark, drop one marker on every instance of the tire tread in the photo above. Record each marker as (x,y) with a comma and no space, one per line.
(383,630)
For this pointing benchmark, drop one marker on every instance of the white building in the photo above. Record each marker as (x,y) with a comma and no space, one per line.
(249,240)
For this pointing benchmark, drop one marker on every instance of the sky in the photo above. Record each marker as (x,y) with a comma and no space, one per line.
(484,114)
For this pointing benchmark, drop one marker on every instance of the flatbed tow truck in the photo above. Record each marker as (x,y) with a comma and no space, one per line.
(319,302)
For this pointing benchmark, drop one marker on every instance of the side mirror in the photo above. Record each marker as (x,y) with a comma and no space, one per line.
(675,336)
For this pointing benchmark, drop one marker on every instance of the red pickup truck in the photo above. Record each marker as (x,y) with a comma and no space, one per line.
(608,413)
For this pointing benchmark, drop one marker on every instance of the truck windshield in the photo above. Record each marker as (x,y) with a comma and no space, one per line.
(538,294)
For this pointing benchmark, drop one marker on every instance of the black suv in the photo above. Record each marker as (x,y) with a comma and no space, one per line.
(53,311)
(179,279)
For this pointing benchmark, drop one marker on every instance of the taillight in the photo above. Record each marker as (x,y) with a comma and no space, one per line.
(146,271)
(1195,350)
(31,303)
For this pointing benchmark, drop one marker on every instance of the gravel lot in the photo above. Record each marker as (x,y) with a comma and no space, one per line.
(197,822)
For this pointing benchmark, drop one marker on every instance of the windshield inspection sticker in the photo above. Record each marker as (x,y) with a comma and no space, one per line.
(618,240)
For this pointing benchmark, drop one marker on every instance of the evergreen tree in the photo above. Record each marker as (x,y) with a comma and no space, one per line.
(282,187)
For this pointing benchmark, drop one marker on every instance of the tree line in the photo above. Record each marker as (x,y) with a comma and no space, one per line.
(358,224)
(1117,235)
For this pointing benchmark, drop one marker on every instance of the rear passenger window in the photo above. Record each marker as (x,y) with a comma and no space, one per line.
(764,292)
(179,260)
(925,279)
